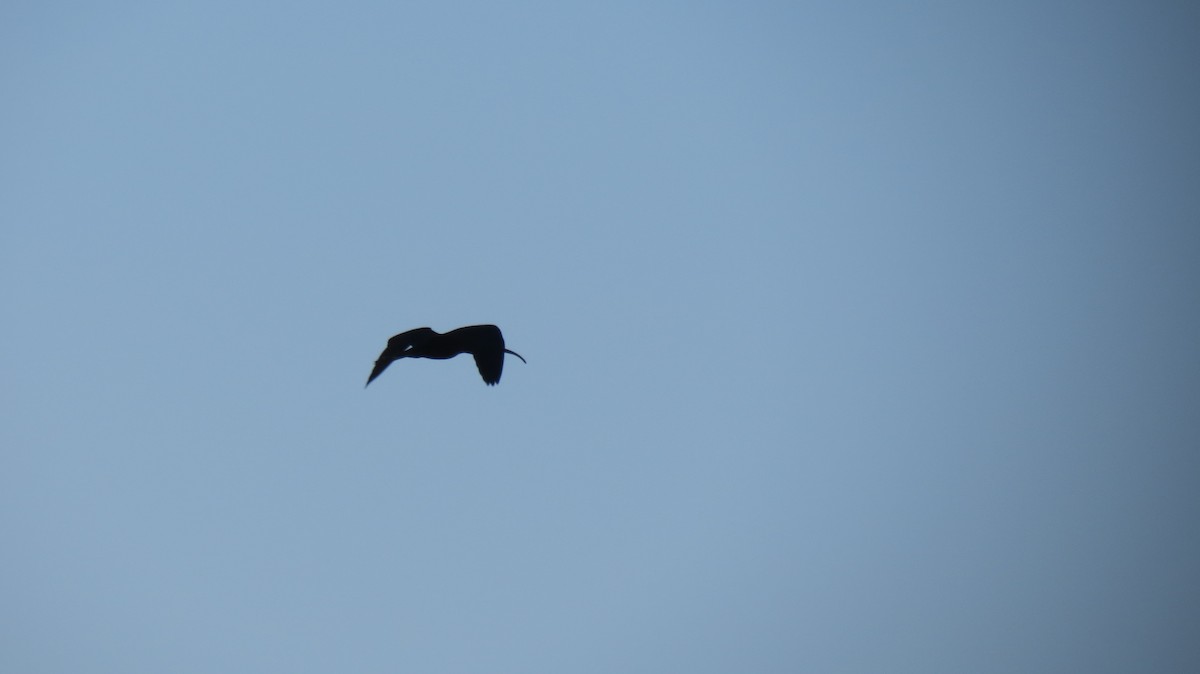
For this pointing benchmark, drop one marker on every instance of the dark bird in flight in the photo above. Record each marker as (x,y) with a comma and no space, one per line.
(482,341)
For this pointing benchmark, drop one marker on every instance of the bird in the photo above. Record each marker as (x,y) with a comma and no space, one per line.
(484,342)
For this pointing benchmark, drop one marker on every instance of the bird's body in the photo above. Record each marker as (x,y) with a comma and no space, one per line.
(484,342)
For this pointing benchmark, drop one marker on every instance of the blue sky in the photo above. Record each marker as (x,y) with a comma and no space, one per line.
(861,337)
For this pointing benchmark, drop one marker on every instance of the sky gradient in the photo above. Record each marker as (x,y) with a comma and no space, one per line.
(862,337)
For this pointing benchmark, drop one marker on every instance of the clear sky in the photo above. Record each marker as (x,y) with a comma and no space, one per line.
(862,337)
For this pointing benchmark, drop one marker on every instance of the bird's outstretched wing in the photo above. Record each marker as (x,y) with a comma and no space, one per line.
(396,348)
(490,364)
(380,365)
(486,344)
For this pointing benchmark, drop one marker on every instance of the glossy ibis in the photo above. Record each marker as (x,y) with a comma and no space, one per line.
(482,341)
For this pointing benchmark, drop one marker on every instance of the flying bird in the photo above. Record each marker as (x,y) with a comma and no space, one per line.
(482,341)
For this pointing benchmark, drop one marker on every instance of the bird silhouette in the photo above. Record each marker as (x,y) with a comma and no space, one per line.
(482,341)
